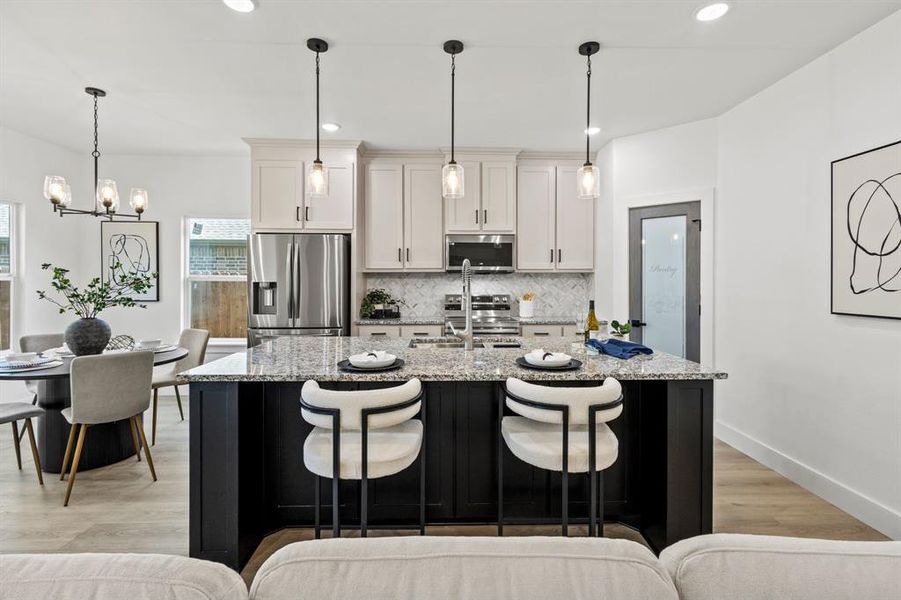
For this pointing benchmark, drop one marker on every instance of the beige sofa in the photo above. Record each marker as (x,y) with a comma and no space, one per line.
(720,567)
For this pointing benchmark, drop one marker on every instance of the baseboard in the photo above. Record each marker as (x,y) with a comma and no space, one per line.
(861,507)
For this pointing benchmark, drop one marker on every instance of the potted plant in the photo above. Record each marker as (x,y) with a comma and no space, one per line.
(90,335)
(621,330)
(375,303)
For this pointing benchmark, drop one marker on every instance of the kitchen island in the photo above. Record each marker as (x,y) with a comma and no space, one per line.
(247,477)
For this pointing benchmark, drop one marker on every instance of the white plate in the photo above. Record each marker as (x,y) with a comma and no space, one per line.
(557,360)
(10,365)
(165,348)
(366,361)
(49,365)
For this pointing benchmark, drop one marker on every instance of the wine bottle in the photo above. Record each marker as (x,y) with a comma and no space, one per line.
(591,327)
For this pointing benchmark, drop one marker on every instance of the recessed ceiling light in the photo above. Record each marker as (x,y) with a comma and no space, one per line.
(593,130)
(712,12)
(331,127)
(242,6)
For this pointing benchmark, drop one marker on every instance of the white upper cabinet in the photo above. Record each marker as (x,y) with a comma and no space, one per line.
(423,218)
(575,224)
(383,233)
(535,240)
(277,194)
(498,197)
(334,212)
(464,215)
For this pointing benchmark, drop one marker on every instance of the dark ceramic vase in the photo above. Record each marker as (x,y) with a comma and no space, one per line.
(87,336)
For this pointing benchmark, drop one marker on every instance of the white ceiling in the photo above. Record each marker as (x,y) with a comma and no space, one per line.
(192,76)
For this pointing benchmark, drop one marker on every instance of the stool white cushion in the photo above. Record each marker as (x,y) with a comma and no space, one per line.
(351,403)
(116,577)
(541,444)
(439,568)
(751,567)
(577,398)
(391,450)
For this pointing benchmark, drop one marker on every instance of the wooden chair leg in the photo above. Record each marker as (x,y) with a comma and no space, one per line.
(146,449)
(181,411)
(134,437)
(72,431)
(156,393)
(16,444)
(34,451)
(81,433)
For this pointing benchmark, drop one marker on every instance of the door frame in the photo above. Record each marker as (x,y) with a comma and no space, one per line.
(692,212)
(619,295)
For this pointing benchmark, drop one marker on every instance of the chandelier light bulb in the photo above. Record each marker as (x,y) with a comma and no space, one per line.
(107,196)
(317,179)
(138,200)
(452,182)
(589,180)
(54,186)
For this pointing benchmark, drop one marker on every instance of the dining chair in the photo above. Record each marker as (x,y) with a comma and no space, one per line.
(106,388)
(369,433)
(560,429)
(195,342)
(13,412)
(38,342)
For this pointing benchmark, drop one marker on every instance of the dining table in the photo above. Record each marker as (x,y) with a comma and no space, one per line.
(110,442)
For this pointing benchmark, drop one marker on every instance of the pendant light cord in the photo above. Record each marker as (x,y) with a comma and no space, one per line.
(453,77)
(588,114)
(317,107)
(96,152)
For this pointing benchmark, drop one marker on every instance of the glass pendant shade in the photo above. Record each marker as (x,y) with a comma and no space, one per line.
(317,179)
(138,200)
(589,182)
(66,197)
(54,187)
(452,181)
(107,195)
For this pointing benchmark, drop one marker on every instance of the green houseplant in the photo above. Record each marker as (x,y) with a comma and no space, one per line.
(90,335)
(620,329)
(375,298)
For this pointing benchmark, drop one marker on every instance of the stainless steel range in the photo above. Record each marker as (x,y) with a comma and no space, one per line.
(491,314)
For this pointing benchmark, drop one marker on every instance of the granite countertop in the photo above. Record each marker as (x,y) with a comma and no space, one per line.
(402,321)
(298,358)
(539,320)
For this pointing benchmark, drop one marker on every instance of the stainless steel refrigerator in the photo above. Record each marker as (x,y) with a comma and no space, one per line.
(298,284)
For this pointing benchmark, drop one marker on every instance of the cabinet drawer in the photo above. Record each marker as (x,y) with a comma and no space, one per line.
(380,331)
(570,331)
(542,330)
(421,331)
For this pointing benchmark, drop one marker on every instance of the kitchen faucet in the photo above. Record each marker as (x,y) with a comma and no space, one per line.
(466,335)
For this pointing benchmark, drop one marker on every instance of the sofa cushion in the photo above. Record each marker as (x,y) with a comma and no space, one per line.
(463,567)
(116,577)
(725,566)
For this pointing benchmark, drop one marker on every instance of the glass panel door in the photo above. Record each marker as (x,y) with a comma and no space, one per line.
(663,283)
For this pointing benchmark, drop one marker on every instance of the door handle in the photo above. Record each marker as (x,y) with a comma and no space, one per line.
(408,255)
(399,259)
(477,216)
(559,255)
(637,323)
(306,213)
(485,217)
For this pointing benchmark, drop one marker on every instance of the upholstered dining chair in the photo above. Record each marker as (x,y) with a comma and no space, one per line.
(12,412)
(106,388)
(195,342)
(553,431)
(369,433)
(38,343)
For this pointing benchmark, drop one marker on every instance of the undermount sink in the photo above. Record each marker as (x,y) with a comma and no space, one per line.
(452,343)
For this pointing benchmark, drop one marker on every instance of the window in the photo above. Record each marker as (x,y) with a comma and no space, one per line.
(7,272)
(217,276)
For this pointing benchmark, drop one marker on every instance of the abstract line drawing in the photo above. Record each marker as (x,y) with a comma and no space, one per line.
(866,233)
(130,248)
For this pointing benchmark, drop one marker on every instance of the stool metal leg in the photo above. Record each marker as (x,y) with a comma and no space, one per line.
(422,459)
(601,504)
(565,474)
(318,522)
(592,475)
(500,463)
(364,488)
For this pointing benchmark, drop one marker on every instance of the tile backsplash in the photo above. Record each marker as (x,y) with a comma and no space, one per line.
(558,294)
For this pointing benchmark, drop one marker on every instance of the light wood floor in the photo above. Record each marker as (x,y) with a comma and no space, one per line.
(119,509)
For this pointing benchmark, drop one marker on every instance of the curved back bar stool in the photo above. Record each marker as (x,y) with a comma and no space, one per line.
(369,433)
(554,432)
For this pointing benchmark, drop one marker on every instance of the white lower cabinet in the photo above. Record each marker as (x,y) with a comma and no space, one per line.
(379,331)
(549,330)
(429,331)
(404,218)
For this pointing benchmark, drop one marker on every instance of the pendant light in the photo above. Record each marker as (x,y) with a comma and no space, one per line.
(588,175)
(106,192)
(317,175)
(452,174)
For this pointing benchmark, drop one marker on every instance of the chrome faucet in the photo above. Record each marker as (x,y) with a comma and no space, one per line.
(466,335)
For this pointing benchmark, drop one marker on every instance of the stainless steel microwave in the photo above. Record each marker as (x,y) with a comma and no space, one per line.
(487,253)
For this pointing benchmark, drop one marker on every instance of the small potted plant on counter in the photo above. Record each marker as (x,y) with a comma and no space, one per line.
(90,335)
(378,303)
(620,330)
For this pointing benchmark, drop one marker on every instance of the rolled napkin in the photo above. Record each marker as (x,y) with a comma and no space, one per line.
(372,360)
(619,348)
(540,358)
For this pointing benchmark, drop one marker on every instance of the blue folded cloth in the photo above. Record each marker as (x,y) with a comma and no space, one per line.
(619,348)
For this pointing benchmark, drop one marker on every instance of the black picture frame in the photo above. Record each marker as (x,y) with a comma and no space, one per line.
(148,232)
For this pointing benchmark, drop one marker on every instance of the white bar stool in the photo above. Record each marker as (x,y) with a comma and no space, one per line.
(341,436)
(549,415)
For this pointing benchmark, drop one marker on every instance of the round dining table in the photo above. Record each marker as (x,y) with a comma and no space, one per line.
(109,442)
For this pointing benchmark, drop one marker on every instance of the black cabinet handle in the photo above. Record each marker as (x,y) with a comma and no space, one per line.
(637,323)
(297,214)
(552,255)
(306,214)
(399,259)
(541,334)
(485,217)
(377,333)
(559,255)
(477,216)
(408,255)
(420,333)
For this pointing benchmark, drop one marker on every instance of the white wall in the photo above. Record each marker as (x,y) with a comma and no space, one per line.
(814,395)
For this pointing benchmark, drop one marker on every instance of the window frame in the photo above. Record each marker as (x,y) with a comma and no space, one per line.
(13,274)
(187,279)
